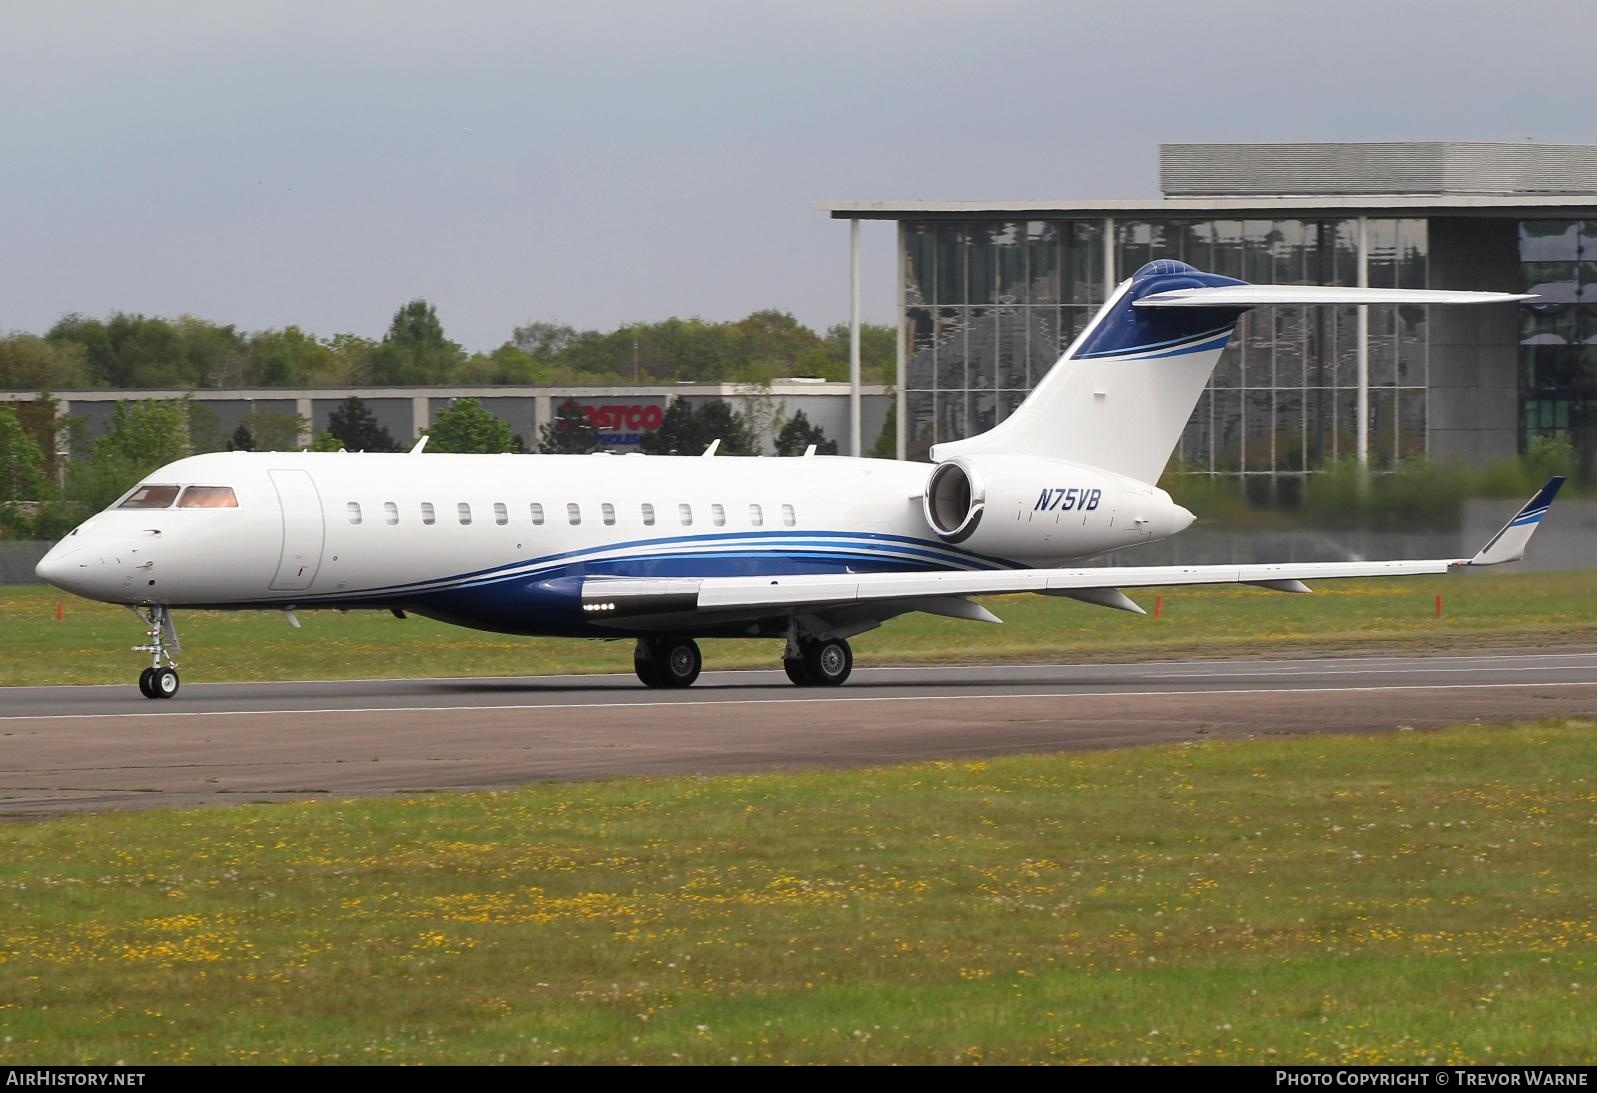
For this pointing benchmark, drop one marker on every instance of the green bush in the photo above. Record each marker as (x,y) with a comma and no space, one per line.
(1415,495)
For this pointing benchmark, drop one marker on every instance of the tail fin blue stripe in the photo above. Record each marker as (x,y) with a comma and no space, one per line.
(1545,497)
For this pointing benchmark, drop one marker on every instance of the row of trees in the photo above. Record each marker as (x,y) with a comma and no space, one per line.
(40,498)
(139,351)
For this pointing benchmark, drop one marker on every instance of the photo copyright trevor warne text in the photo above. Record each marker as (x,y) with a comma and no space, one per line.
(1433,1077)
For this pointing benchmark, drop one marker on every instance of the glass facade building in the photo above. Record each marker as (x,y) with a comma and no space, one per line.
(1558,332)
(989,306)
(991,294)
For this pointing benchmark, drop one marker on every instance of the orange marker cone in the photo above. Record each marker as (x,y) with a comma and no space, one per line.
(57,610)
(1438,605)
(1158,606)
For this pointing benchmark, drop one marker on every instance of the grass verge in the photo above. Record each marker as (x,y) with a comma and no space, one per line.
(90,644)
(1412,897)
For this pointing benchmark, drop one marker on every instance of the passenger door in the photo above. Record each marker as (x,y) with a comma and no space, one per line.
(303,530)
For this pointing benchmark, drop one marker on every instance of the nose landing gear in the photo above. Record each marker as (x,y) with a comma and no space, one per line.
(158,680)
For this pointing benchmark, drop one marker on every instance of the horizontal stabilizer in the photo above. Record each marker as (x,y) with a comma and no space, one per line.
(1508,545)
(1259,295)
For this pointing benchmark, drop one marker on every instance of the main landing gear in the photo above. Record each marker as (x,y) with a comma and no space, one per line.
(818,662)
(158,680)
(810,662)
(667,662)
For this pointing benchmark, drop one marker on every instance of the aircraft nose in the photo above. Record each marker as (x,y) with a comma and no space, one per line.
(56,566)
(75,569)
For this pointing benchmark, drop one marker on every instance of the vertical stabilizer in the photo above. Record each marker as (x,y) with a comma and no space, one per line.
(1122,392)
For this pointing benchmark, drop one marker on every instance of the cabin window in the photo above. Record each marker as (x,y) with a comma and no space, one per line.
(718,515)
(537,513)
(685,511)
(608,511)
(354,512)
(428,516)
(465,512)
(573,513)
(208,497)
(390,512)
(648,514)
(501,514)
(789,518)
(150,497)
(756,516)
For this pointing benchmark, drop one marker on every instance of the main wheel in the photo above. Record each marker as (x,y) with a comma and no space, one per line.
(144,684)
(796,670)
(828,662)
(668,662)
(647,673)
(164,683)
(679,662)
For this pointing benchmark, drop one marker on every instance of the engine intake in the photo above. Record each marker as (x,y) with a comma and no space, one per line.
(954,502)
(1035,510)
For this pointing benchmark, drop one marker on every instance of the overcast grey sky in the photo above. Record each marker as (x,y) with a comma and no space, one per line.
(616,160)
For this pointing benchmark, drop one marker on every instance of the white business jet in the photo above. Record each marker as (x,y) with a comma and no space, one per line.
(666,549)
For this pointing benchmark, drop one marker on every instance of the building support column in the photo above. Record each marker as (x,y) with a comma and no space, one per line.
(1108,257)
(853,339)
(900,351)
(63,440)
(420,406)
(542,414)
(1364,346)
(306,411)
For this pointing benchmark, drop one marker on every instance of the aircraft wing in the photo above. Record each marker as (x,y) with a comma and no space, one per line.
(619,598)
(1256,295)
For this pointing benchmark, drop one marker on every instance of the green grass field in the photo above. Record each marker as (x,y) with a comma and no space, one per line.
(91,643)
(1412,897)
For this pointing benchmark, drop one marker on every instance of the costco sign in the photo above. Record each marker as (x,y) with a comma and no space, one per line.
(622,423)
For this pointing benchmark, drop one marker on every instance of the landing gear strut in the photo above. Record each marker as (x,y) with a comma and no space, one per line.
(818,662)
(667,662)
(158,680)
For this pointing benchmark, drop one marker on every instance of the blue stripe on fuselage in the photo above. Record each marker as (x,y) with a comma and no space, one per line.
(850,548)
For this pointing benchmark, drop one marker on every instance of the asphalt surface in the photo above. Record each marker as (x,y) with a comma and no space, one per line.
(87,748)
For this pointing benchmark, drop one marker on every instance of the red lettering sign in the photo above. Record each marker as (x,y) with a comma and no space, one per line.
(614,416)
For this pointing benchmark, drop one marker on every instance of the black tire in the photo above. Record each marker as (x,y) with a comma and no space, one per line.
(796,671)
(678,661)
(144,684)
(164,683)
(646,671)
(828,662)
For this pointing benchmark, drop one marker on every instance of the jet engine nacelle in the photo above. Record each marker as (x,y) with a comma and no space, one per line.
(1034,509)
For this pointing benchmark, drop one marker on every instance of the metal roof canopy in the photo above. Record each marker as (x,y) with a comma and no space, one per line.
(1262,181)
(1255,208)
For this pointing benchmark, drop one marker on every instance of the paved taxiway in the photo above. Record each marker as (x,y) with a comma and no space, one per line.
(74,748)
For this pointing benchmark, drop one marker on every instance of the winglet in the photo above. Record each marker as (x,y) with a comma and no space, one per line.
(421,442)
(1508,545)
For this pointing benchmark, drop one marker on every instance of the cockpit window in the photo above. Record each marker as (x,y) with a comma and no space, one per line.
(150,497)
(208,497)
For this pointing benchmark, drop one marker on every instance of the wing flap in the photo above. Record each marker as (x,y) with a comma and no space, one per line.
(806,589)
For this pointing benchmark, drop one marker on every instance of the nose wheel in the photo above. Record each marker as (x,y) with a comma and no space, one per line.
(160,679)
(158,682)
